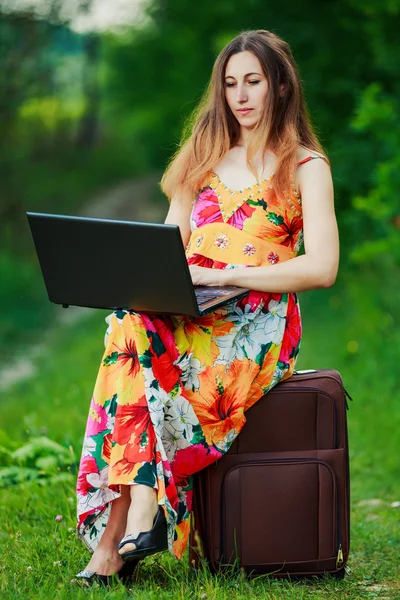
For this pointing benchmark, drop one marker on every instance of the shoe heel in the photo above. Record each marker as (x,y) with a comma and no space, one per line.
(147,542)
(160,534)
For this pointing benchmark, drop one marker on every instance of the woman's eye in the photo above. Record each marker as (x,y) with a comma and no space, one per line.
(252,82)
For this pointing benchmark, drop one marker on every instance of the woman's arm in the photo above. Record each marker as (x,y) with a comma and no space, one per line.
(179,213)
(317,268)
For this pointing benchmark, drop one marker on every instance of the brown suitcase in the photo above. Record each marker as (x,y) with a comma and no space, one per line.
(278,501)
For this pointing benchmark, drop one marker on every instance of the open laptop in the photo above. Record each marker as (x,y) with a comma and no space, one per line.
(106,263)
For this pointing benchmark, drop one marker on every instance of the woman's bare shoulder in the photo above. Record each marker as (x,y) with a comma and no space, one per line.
(312,171)
(303,152)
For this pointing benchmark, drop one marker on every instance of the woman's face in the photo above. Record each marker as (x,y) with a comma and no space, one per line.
(246,88)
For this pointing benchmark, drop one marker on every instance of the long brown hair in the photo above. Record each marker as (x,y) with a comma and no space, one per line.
(212,129)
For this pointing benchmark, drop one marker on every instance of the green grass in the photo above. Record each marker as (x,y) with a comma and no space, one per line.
(351,328)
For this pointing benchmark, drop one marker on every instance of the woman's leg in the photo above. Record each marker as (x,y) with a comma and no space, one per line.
(141,514)
(105,559)
(133,512)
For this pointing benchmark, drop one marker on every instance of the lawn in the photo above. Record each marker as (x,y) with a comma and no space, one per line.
(348,328)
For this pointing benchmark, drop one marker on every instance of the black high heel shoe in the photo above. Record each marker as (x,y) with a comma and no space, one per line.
(125,575)
(147,542)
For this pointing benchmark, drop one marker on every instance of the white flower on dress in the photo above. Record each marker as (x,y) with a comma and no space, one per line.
(157,401)
(190,371)
(243,341)
(249,249)
(181,417)
(97,527)
(277,376)
(109,328)
(227,349)
(89,446)
(273,322)
(299,242)
(225,444)
(161,472)
(110,422)
(235,266)
(102,494)
(222,241)
(157,418)
(242,317)
(183,362)
(173,440)
(157,397)
(98,480)
(191,380)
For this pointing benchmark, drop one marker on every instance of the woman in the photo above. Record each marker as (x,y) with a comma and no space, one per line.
(172,391)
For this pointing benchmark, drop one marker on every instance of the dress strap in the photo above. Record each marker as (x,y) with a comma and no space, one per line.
(310,158)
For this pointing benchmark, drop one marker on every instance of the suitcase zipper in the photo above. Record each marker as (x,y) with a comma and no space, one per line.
(347,395)
(339,558)
(308,371)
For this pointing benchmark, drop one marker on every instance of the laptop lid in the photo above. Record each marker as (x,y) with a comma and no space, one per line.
(107,263)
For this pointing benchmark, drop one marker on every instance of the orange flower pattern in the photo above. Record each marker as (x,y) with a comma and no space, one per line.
(172,391)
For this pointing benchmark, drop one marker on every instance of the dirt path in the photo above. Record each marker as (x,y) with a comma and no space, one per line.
(136,200)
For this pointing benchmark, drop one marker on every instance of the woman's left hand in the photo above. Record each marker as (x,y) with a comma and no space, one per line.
(205,276)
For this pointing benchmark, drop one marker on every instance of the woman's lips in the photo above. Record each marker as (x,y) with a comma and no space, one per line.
(244,111)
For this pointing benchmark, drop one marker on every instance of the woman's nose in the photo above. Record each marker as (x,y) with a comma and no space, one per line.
(241,94)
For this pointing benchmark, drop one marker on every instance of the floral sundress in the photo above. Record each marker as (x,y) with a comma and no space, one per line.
(172,391)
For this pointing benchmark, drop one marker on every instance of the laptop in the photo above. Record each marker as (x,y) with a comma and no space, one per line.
(112,264)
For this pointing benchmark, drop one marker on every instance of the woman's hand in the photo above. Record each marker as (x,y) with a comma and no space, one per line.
(204,276)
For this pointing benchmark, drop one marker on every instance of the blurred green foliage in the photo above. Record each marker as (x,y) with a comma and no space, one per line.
(81,112)
(40,459)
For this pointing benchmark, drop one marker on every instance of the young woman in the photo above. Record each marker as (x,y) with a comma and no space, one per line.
(172,391)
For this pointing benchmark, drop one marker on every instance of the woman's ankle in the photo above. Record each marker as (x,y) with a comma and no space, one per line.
(144,495)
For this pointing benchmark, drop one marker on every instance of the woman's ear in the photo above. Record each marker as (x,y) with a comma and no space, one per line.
(282,89)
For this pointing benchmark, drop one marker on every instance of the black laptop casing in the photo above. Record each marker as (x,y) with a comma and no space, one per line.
(112,264)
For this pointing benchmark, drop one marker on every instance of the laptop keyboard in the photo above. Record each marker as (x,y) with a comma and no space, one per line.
(204,299)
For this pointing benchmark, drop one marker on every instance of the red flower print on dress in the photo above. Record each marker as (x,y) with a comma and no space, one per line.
(206,208)
(273,258)
(127,355)
(200,261)
(192,459)
(107,445)
(123,471)
(163,325)
(240,215)
(130,419)
(249,249)
(207,194)
(286,233)
(134,430)
(87,466)
(293,331)
(142,447)
(164,371)
(290,231)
